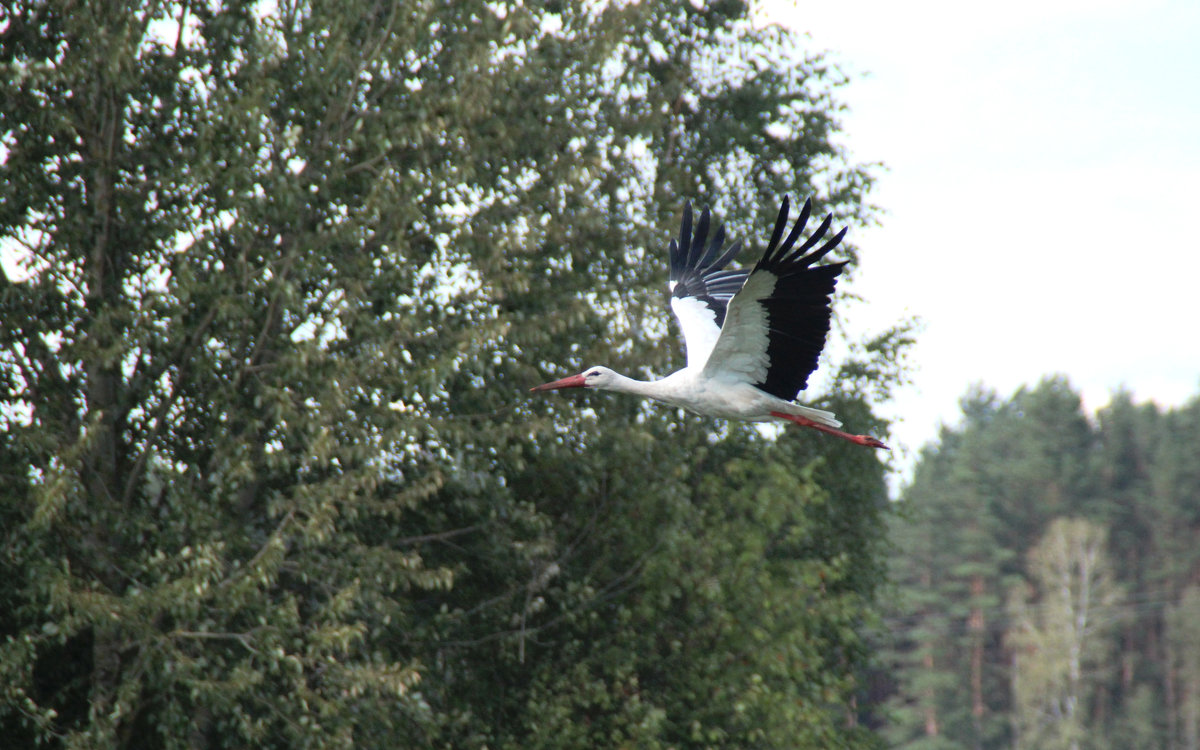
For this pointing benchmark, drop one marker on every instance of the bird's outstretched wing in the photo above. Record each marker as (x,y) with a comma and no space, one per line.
(700,290)
(775,326)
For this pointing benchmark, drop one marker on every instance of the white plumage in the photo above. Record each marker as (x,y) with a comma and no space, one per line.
(699,325)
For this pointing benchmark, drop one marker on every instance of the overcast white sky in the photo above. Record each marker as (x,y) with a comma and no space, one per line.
(1042,192)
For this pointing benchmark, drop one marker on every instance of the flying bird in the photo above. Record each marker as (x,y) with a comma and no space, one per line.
(753,337)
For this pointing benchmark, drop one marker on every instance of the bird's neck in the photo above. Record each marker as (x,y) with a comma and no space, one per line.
(644,388)
(658,390)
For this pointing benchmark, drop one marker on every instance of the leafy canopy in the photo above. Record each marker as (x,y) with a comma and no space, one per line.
(270,474)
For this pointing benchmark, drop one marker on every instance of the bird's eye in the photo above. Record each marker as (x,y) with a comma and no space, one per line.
(593,374)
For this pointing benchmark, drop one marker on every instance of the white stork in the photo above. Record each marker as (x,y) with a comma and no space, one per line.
(752,338)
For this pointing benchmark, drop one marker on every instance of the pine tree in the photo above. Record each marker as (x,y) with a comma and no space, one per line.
(951,567)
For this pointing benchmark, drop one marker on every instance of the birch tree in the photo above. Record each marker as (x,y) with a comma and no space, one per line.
(1183,646)
(1061,620)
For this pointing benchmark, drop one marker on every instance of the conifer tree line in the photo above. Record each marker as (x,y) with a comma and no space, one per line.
(277,279)
(1047,578)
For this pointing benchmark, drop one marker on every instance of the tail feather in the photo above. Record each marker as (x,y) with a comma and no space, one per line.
(826,418)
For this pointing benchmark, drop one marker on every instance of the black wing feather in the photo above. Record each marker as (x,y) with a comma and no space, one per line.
(696,270)
(798,310)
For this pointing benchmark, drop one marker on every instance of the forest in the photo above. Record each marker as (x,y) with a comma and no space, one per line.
(277,278)
(1046,574)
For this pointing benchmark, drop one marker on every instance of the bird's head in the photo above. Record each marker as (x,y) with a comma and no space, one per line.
(592,377)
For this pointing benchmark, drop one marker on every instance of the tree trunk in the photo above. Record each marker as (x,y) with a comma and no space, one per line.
(1169,676)
(975,624)
(931,718)
(1190,700)
(102,465)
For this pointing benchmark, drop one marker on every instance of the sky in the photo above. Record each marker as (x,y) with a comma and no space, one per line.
(1041,192)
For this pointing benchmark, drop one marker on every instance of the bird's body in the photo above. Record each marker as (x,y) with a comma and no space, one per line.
(753,337)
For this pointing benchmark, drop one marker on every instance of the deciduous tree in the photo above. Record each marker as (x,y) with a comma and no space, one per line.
(270,476)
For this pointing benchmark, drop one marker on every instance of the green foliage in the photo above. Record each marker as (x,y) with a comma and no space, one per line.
(722,615)
(270,474)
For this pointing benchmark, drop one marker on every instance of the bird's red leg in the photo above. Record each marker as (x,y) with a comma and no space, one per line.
(806,422)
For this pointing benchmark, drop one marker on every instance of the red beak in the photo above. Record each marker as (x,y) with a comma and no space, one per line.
(575,381)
